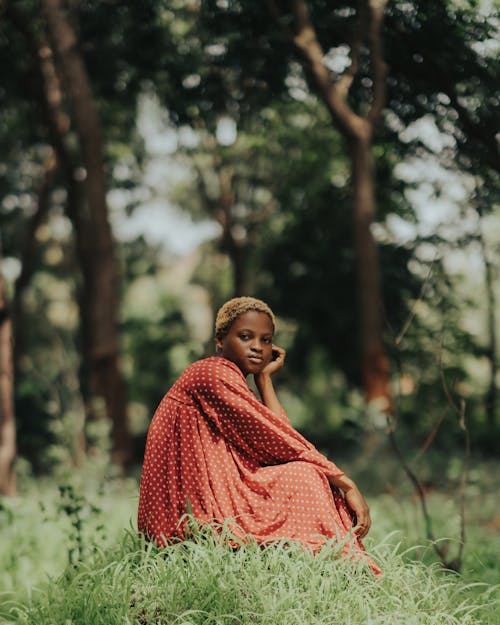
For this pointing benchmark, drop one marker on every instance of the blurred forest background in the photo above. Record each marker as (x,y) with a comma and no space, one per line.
(339,160)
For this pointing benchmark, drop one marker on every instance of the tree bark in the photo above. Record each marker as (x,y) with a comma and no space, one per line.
(47,92)
(100,322)
(8,485)
(235,249)
(375,369)
(358,132)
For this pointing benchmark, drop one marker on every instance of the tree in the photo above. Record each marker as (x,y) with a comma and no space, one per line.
(358,131)
(231,76)
(442,71)
(232,187)
(246,63)
(100,302)
(95,246)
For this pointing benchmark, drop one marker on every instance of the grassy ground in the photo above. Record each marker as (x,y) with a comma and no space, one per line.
(67,558)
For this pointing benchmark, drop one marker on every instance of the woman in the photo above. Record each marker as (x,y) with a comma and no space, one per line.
(214,449)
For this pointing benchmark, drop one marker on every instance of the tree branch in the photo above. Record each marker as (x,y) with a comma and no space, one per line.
(441,551)
(303,35)
(345,81)
(306,41)
(419,488)
(209,204)
(413,312)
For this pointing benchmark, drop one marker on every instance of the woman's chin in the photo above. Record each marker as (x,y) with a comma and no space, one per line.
(259,368)
(254,368)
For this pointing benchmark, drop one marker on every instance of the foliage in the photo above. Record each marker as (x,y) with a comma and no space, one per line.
(78,510)
(157,348)
(42,530)
(202,581)
(118,577)
(213,61)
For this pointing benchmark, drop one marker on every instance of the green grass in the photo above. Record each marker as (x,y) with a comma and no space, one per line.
(120,580)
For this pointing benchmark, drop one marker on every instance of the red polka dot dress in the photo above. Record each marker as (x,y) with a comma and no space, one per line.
(213,444)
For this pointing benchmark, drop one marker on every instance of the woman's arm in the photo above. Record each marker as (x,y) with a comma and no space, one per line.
(352,494)
(264,382)
(356,503)
(219,389)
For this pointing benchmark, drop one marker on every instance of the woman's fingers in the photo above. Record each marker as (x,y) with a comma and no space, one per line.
(357,503)
(362,527)
(278,359)
(278,353)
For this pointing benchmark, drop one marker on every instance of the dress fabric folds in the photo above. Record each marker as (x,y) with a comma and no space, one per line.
(215,450)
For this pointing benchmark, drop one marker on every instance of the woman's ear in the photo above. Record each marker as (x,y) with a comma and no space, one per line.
(218,346)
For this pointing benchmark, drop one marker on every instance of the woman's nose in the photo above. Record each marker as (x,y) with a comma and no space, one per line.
(256,345)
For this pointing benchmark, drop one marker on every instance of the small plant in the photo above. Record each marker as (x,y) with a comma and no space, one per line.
(80,513)
(6,515)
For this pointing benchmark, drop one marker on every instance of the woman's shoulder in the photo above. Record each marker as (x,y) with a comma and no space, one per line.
(210,375)
(212,367)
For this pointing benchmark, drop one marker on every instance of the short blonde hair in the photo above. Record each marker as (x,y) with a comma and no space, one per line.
(234,308)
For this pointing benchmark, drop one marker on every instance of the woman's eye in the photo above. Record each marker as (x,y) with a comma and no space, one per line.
(244,337)
(267,341)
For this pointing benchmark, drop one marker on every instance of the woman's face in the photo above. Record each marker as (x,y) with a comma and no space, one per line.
(249,342)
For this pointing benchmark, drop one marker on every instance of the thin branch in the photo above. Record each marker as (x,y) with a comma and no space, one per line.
(444,384)
(440,551)
(209,204)
(431,436)
(303,35)
(413,311)
(396,415)
(463,484)
(345,81)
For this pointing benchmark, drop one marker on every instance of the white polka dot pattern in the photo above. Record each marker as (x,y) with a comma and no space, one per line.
(213,444)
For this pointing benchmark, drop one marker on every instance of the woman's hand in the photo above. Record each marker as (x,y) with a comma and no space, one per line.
(278,361)
(264,382)
(356,502)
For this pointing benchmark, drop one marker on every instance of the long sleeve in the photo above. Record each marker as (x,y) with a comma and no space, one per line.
(230,406)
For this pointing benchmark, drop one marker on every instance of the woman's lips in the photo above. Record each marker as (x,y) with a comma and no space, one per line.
(256,359)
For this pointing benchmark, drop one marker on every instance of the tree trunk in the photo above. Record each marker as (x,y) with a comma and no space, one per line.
(235,249)
(238,261)
(358,132)
(47,92)
(7,420)
(374,361)
(100,331)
